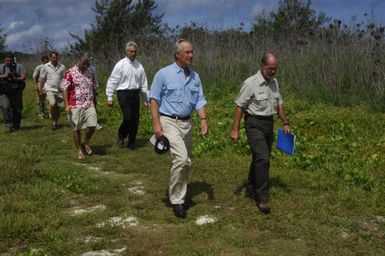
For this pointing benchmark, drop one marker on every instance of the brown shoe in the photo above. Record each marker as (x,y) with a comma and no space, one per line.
(265,208)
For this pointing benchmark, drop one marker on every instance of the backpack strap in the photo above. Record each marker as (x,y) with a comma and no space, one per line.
(10,69)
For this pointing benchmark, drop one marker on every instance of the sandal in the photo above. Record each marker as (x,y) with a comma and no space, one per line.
(87,148)
(81,156)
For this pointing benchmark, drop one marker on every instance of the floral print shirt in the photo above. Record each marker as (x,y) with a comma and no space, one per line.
(81,87)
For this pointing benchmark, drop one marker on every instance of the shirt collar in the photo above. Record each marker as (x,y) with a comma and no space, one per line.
(78,70)
(130,61)
(261,78)
(57,65)
(179,69)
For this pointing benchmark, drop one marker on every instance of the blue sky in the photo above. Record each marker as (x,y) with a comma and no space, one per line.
(28,22)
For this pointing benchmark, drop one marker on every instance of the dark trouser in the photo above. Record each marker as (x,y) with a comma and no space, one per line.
(12,106)
(129,103)
(259,132)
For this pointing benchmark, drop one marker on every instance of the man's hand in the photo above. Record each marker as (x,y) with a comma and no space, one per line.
(110,103)
(234,135)
(158,130)
(204,127)
(68,109)
(286,128)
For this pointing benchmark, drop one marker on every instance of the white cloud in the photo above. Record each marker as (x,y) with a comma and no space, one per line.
(175,6)
(15,24)
(265,8)
(15,38)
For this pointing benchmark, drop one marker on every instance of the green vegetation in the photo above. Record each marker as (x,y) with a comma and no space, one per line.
(117,20)
(327,199)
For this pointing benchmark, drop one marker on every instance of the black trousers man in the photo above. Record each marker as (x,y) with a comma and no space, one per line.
(129,104)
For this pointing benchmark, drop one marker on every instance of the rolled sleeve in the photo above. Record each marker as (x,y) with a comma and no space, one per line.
(201,100)
(156,88)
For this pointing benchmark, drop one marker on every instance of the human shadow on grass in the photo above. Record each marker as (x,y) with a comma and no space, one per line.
(193,189)
(30,127)
(142,142)
(274,182)
(100,149)
(278,183)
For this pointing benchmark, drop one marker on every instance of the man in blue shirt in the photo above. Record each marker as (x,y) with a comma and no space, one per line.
(175,93)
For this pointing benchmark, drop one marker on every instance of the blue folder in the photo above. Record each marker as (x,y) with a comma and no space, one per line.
(285,142)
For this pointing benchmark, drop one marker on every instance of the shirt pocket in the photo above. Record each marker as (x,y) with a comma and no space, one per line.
(276,100)
(173,93)
(194,91)
(261,101)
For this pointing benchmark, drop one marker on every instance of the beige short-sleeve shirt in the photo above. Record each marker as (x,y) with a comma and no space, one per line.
(53,76)
(259,97)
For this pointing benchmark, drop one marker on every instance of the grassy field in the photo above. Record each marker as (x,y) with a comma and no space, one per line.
(327,200)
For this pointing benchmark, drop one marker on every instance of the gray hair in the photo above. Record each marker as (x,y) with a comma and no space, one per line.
(131,43)
(177,45)
(83,56)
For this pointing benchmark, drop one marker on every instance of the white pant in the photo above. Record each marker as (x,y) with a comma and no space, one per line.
(179,134)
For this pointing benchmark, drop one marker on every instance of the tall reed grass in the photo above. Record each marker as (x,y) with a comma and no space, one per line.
(339,65)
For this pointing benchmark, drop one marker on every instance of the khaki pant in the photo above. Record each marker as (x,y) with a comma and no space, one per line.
(179,133)
(40,100)
(54,98)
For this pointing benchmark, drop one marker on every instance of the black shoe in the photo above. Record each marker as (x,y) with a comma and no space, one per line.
(54,127)
(120,143)
(186,206)
(132,146)
(265,208)
(179,210)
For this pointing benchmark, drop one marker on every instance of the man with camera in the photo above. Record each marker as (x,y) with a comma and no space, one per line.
(12,84)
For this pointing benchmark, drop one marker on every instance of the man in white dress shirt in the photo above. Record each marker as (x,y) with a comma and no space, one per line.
(129,79)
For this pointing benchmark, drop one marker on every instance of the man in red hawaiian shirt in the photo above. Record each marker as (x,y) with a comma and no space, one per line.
(79,85)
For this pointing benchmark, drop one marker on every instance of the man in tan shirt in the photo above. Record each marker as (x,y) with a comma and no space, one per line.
(50,78)
(259,99)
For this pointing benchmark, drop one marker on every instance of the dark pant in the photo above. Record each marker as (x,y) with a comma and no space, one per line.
(129,104)
(259,132)
(12,105)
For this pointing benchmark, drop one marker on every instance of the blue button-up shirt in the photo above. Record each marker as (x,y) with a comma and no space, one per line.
(176,94)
